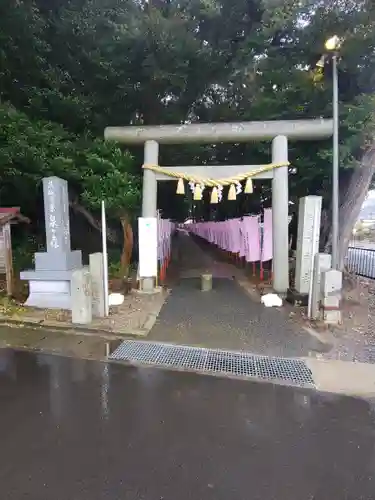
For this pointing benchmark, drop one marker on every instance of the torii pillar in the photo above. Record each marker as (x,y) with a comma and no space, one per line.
(279,132)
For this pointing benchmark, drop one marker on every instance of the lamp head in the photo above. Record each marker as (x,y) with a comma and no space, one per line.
(333,43)
(321,62)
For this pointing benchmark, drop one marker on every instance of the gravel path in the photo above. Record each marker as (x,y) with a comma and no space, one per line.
(226,317)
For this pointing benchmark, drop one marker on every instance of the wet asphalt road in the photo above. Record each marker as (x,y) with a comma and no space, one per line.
(77,430)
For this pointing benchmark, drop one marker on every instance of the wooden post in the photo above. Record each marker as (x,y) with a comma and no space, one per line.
(6,258)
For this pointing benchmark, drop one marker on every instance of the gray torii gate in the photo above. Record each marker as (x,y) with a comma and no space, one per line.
(279,132)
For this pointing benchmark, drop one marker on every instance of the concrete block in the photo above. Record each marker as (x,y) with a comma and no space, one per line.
(322,263)
(331,283)
(332,317)
(309,216)
(81,296)
(97,284)
(49,294)
(206,282)
(58,260)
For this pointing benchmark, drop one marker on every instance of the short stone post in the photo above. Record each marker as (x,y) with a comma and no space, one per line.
(206,282)
(97,284)
(331,290)
(322,263)
(81,297)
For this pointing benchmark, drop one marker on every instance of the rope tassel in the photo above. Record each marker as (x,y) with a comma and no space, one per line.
(232,193)
(249,186)
(197,192)
(214,196)
(180,186)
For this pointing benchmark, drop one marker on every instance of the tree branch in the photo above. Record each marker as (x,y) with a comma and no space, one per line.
(78,208)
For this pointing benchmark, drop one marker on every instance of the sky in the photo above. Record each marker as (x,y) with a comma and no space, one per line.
(368,207)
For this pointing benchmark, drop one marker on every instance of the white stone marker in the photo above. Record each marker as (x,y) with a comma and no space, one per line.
(97,284)
(331,289)
(81,297)
(309,214)
(323,262)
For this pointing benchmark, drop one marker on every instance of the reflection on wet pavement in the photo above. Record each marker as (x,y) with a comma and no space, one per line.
(77,430)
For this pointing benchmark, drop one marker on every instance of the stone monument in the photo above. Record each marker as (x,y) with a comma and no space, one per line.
(97,284)
(308,235)
(50,282)
(323,263)
(81,296)
(330,299)
(309,214)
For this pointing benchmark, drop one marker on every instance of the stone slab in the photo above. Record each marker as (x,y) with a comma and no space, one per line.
(58,261)
(97,284)
(49,294)
(46,275)
(309,215)
(322,263)
(56,213)
(297,299)
(81,296)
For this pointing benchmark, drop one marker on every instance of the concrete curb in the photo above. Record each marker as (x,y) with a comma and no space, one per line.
(343,377)
(74,330)
(70,329)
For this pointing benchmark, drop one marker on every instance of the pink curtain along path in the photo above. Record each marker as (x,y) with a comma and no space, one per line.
(240,237)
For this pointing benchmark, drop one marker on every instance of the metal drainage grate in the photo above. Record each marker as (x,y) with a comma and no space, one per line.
(293,371)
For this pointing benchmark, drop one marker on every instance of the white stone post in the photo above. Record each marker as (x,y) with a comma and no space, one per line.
(323,262)
(149,196)
(309,215)
(280,212)
(97,284)
(81,296)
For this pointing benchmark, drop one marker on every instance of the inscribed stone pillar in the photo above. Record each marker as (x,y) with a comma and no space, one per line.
(81,296)
(280,212)
(59,256)
(97,284)
(322,263)
(309,215)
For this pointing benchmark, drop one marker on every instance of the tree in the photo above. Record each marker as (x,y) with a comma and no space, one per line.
(110,180)
(95,171)
(86,64)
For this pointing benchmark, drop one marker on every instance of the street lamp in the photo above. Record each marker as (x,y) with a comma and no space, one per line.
(332,47)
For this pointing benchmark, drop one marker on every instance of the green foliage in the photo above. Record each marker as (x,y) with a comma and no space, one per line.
(109,179)
(68,68)
(33,149)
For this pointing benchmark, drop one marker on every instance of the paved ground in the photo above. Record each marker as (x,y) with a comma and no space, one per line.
(226,317)
(133,317)
(73,429)
(57,341)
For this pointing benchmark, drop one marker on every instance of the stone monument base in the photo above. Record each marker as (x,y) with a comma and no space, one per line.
(297,299)
(58,261)
(48,289)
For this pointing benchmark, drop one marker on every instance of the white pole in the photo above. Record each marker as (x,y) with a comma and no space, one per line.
(105,261)
(335,169)
(314,251)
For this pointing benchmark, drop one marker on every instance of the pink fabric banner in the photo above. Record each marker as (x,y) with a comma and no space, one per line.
(235,235)
(165,231)
(251,231)
(267,247)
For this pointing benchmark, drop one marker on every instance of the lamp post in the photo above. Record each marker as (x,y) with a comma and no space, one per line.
(332,46)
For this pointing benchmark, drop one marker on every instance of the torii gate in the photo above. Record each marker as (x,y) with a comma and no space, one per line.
(279,132)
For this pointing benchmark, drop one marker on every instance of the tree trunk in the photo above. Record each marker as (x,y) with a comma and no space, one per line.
(127,248)
(95,223)
(352,198)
